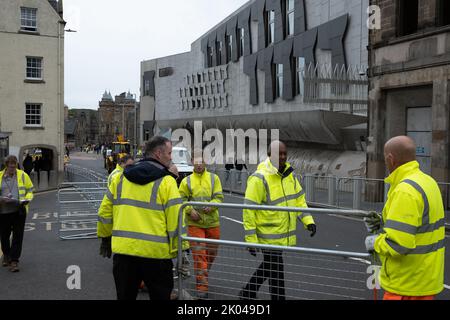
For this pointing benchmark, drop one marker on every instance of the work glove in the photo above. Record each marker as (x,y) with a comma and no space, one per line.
(373,222)
(105,248)
(252,251)
(312,228)
(184,270)
(370,243)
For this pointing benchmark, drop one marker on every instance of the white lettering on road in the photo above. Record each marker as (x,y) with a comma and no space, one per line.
(234,220)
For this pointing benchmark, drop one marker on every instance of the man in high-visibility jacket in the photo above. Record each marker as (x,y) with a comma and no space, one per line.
(203,222)
(411,246)
(140,213)
(122,163)
(16,192)
(274,184)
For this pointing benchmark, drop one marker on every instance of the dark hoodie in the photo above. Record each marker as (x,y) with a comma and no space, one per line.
(146,171)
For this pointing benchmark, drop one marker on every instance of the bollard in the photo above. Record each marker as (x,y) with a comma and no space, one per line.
(332,182)
(43,180)
(34,179)
(357,188)
(53,180)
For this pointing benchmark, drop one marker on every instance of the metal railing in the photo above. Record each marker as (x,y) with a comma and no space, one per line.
(233,181)
(308,273)
(78,209)
(339,88)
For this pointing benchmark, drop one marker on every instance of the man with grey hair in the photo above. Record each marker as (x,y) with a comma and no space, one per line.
(16,192)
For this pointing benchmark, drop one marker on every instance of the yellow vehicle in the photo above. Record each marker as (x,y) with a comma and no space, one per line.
(120,149)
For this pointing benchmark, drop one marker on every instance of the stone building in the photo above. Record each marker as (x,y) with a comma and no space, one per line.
(294,65)
(117,117)
(409,60)
(32,79)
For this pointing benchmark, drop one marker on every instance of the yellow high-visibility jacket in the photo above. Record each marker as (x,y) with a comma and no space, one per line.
(116,171)
(205,187)
(142,219)
(267,187)
(411,248)
(24,184)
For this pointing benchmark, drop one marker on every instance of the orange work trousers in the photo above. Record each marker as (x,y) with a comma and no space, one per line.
(203,254)
(393,296)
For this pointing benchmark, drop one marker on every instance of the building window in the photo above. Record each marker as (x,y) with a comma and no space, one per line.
(219,52)
(210,57)
(146,87)
(300,79)
(290,17)
(28,20)
(33,115)
(34,68)
(270,34)
(443,12)
(279,80)
(229,48)
(241,33)
(408,17)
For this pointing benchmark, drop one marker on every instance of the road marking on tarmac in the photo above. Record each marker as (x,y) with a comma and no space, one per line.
(234,220)
(447,287)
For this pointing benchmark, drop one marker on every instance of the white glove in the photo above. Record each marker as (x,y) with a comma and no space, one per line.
(370,243)
(373,222)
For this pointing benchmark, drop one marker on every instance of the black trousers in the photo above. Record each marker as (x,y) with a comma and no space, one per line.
(130,271)
(271,268)
(12,223)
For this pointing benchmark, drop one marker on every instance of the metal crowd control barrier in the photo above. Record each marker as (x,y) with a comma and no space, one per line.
(233,181)
(74,173)
(78,209)
(308,273)
(353,192)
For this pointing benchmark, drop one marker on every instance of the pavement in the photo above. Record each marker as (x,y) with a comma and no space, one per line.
(51,267)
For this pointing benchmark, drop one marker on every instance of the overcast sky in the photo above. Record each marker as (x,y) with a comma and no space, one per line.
(114,36)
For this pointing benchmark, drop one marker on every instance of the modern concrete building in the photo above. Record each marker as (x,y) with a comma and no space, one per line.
(409,83)
(32,78)
(294,65)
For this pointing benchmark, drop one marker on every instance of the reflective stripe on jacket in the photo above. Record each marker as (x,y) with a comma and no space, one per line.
(142,219)
(412,245)
(24,185)
(205,187)
(267,187)
(116,171)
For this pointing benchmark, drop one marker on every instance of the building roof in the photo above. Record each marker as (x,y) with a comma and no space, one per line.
(107,96)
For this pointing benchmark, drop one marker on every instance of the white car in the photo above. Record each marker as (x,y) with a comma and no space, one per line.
(182,160)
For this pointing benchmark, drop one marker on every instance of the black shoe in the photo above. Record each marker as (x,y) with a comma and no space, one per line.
(6,261)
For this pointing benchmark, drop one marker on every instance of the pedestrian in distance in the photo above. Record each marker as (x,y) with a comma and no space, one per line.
(203,221)
(16,192)
(275,184)
(28,164)
(409,236)
(138,222)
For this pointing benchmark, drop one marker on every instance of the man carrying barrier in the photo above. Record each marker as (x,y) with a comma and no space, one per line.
(409,235)
(273,184)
